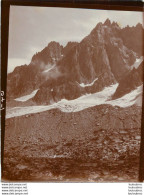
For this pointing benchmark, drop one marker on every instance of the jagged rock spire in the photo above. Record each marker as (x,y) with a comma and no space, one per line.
(107,22)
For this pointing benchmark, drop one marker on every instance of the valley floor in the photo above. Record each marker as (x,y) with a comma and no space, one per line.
(98,144)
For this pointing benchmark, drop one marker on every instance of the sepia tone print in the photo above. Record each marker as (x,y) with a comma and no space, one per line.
(74,112)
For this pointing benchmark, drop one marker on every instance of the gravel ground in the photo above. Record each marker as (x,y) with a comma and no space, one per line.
(98,144)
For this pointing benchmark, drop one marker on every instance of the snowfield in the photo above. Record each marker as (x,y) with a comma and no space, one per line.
(83,102)
(27,97)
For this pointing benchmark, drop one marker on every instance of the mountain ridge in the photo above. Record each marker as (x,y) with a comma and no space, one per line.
(58,71)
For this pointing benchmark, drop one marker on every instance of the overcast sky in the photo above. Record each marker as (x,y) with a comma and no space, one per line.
(32,28)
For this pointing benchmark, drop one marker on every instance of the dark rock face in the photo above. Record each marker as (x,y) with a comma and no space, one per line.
(68,47)
(132,80)
(106,54)
(132,37)
(22,81)
(54,90)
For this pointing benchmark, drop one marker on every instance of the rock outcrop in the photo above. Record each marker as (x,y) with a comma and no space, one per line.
(131,81)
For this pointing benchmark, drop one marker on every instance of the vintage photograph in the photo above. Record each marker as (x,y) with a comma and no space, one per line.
(74,95)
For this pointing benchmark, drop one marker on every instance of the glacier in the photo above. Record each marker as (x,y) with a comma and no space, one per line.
(83,102)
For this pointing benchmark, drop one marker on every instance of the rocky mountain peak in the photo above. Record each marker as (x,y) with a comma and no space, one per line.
(139,25)
(53,44)
(115,25)
(49,54)
(103,30)
(107,22)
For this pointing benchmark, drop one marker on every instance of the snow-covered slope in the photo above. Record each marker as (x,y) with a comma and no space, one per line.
(134,97)
(86,101)
(27,97)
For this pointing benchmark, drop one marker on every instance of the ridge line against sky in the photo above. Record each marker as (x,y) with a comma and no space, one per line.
(32,28)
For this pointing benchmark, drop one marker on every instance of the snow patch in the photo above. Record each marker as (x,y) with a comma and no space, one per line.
(26,97)
(137,63)
(88,85)
(48,69)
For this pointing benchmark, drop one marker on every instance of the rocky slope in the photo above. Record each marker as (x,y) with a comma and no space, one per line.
(105,55)
(97,144)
